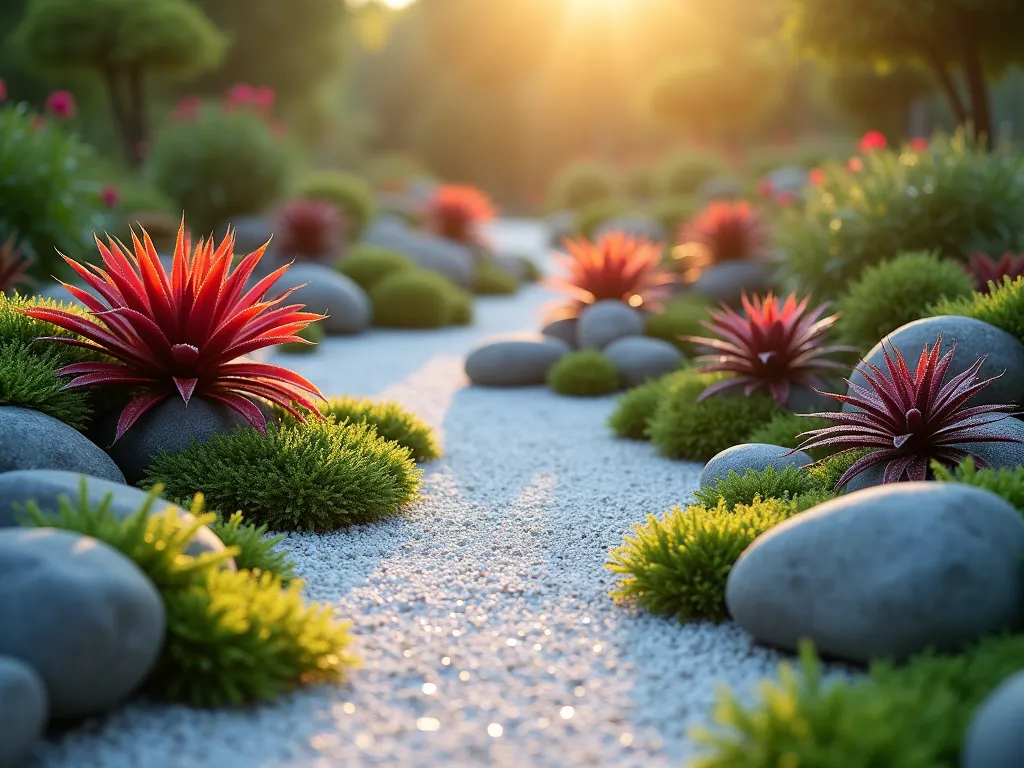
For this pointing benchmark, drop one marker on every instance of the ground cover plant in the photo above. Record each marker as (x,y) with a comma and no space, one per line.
(1002,306)
(232,637)
(392,422)
(316,475)
(785,430)
(1005,482)
(350,194)
(418,298)
(634,410)
(368,264)
(586,373)
(492,280)
(787,483)
(581,184)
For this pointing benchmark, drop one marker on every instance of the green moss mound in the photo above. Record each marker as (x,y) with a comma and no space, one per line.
(770,483)
(673,212)
(317,476)
(417,299)
(682,428)
(590,217)
(232,637)
(679,317)
(896,292)
(255,549)
(492,280)
(28,367)
(313,333)
(367,265)
(829,470)
(581,184)
(783,430)
(586,373)
(1005,482)
(634,410)
(1002,307)
(913,715)
(531,272)
(392,422)
(684,173)
(349,193)
(677,564)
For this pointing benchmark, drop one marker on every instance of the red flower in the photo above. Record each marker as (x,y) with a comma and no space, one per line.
(907,420)
(855,165)
(310,229)
(786,199)
(182,334)
(3,90)
(187,108)
(765,188)
(61,104)
(872,141)
(263,98)
(774,344)
(455,212)
(984,270)
(239,95)
(13,266)
(816,176)
(617,266)
(918,144)
(109,196)
(728,230)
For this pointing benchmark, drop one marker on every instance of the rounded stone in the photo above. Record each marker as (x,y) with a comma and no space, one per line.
(995,738)
(24,711)
(885,573)
(81,614)
(640,358)
(750,456)
(606,321)
(974,339)
(32,440)
(520,361)
(452,260)
(726,282)
(171,426)
(564,329)
(46,487)
(326,291)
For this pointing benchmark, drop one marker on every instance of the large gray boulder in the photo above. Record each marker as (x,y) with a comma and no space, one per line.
(995,738)
(640,358)
(24,711)
(522,360)
(606,321)
(81,614)
(726,282)
(326,291)
(437,254)
(885,573)
(32,440)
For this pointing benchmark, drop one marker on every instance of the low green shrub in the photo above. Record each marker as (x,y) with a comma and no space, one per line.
(463,307)
(682,428)
(492,280)
(590,217)
(232,637)
(317,476)
(678,564)
(392,422)
(219,166)
(673,212)
(913,716)
(313,333)
(955,198)
(683,173)
(634,410)
(787,483)
(1005,482)
(367,264)
(1002,307)
(255,550)
(586,373)
(783,430)
(679,317)
(895,292)
(416,298)
(829,470)
(349,193)
(582,184)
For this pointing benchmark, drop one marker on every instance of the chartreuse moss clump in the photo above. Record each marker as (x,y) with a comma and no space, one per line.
(255,550)
(586,373)
(682,428)
(392,422)
(828,471)
(368,264)
(1005,482)
(28,369)
(913,716)
(418,298)
(315,476)
(770,483)
(895,292)
(783,430)
(1002,306)
(677,564)
(634,409)
(232,637)
(492,280)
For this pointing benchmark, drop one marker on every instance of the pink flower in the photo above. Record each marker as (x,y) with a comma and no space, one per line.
(187,108)
(239,95)
(109,196)
(855,164)
(816,176)
(61,104)
(3,90)
(919,144)
(765,188)
(872,140)
(786,198)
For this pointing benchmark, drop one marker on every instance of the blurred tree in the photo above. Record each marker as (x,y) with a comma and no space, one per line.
(292,46)
(123,41)
(976,37)
(878,99)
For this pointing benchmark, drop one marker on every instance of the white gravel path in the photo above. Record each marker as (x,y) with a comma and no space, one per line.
(482,615)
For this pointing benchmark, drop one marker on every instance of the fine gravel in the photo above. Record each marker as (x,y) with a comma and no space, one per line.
(482,615)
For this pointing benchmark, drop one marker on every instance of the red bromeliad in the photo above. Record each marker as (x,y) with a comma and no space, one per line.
(728,231)
(183,333)
(13,266)
(776,345)
(311,229)
(908,419)
(984,269)
(618,267)
(455,212)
